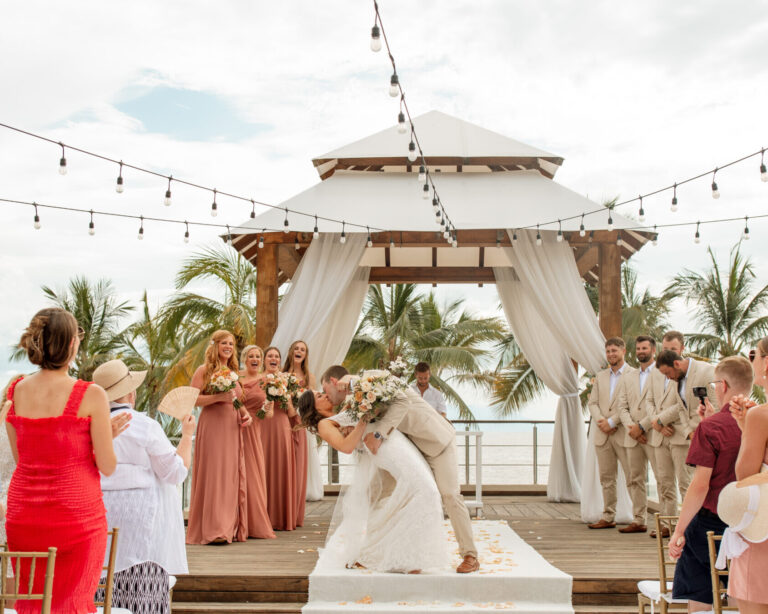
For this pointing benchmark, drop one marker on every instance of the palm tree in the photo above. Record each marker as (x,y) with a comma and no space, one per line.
(728,309)
(642,313)
(400,321)
(193,318)
(98,312)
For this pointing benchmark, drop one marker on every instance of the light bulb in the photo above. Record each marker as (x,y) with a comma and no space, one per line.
(425,192)
(391,244)
(618,239)
(186,236)
(369,243)
(455,243)
(261,242)
(412,151)
(296,245)
(763,173)
(445,234)
(673,208)
(140,237)
(285,225)
(641,217)
(422,174)
(538,238)
(167,199)
(394,85)
(315,233)
(582,231)
(119,187)
(715,191)
(610,222)
(63,166)
(214,209)
(37,222)
(343,239)
(559,236)
(435,204)
(655,240)
(697,238)
(514,239)
(746,233)
(375,38)
(91,229)
(401,127)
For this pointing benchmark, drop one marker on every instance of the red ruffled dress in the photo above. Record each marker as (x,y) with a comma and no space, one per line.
(54,500)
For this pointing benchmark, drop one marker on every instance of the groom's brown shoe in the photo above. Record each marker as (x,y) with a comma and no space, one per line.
(468,565)
(602,524)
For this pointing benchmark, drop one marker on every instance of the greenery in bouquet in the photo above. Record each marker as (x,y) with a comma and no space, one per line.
(368,393)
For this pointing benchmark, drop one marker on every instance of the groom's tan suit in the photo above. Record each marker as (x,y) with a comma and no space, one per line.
(435,437)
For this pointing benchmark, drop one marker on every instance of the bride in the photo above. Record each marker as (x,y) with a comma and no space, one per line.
(390,518)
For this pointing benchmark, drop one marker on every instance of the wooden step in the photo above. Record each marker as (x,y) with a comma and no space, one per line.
(236,608)
(605,609)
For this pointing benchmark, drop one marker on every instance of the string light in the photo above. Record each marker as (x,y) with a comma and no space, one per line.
(315,232)
(391,242)
(435,204)
(141,230)
(674,198)
(229,236)
(514,238)
(425,192)
(401,127)
(214,206)
(498,241)
(186,232)
(412,151)
(655,239)
(697,236)
(538,235)
(582,230)
(36,222)
(91,226)
(559,232)
(369,243)
(591,236)
(375,38)
(745,234)
(296,245)
(285,222)
(610,218)
(253,210)
(261,240)
(455,239)
(715,191)
(63,161)
(422,174)
(618,238)
(343,238)
(167,200)
(394,85)
(119,188)
(763,170)
(641,213)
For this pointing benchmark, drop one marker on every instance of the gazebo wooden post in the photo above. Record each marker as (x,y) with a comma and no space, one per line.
(266,294)
(609,289)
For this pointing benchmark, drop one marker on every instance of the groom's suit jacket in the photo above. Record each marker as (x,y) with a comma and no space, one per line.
(414,417)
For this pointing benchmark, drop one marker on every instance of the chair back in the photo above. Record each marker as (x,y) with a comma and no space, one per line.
(717,589)
(666,565)
(19,593)
(109,578)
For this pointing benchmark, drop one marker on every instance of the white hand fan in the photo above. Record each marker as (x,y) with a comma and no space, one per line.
(179,402)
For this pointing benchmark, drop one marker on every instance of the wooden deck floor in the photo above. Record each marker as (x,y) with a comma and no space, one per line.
(605,565)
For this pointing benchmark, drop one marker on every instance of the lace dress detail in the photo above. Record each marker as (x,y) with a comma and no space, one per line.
(390,518)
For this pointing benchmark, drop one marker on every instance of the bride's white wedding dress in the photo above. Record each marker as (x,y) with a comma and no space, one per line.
(390,518)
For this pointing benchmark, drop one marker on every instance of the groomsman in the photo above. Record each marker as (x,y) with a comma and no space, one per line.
(604,407)
(633,413)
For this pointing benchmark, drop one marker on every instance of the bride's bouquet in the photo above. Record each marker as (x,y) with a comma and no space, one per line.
(280,387)
(225,380)
(368,393)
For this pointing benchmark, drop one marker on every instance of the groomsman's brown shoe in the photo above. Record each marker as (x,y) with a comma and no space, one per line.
(634,528)
(602,524)
(468,565)
(664,532)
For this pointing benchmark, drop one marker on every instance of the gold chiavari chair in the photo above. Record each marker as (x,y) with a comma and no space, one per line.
(659,592)
(19,593)
(718,592)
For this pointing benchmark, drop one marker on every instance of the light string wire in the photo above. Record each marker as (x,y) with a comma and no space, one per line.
(378,28)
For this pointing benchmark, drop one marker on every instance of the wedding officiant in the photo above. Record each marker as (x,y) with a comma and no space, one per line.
(142,499)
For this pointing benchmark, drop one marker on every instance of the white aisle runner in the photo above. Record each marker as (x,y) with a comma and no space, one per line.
(512,576)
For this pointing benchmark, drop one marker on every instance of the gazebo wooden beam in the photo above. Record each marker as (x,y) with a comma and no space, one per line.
(509,161)
(609,288)
(266,294)
(430,275)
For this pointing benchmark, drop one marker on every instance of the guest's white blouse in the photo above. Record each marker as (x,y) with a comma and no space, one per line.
(142,497)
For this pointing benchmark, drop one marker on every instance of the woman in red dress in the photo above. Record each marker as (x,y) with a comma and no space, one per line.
(280,457)
(217,508)
(297,363)
(254,397)
(61,436)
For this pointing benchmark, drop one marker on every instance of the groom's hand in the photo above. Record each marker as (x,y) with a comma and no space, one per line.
(372,442)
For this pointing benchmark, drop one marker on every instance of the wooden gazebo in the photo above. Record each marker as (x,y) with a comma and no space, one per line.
(488,184)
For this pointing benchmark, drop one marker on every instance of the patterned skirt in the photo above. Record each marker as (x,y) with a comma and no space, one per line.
(142,589)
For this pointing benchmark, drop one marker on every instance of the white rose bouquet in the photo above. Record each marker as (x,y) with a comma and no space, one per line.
(368,393)
(280,387)
(225,380)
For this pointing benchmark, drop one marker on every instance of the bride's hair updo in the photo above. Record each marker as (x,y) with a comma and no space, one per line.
(306,408)
(48,338)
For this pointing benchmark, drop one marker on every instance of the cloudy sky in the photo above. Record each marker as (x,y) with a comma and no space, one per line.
(241,95)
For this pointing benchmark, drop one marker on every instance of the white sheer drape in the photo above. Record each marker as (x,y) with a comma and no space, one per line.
(322,308)
(564,327)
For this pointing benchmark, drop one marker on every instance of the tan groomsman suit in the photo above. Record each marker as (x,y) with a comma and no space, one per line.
(435,438)
(633,409)
(609,448)
(699,374)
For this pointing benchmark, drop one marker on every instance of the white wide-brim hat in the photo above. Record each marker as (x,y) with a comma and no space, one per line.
(743,506)
(116,379)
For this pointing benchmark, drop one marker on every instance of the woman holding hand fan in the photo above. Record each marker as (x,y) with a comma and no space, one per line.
(217,509)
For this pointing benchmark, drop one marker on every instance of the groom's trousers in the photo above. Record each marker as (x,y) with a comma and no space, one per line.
(445,468)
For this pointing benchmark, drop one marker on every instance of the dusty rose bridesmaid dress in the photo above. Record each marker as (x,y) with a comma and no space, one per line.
(280,468)
(259,524)
(300,451)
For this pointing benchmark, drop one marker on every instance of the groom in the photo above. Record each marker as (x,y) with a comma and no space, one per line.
(435,438)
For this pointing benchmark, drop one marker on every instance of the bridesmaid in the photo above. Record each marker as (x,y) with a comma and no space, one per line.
(297,363)
(254,398)
(280,457)
(217,510)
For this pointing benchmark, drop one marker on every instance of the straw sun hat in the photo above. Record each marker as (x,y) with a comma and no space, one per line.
(743,506)
(116,379)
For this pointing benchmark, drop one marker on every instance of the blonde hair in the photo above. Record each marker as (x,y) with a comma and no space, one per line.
(247,350)
(48,338)
(288,367)
(212,362)
(737,371)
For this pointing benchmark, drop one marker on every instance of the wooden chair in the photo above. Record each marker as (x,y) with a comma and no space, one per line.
(105,607)
(718,592)
(659,592)
(19,594)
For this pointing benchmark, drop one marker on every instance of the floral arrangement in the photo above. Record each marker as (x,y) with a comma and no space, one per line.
(280,387)
(398,367)
(225,380)
(368,393)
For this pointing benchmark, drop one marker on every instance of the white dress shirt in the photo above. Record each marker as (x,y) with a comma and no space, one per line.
(614,379)
(142,497)
(432,396)
(644,373)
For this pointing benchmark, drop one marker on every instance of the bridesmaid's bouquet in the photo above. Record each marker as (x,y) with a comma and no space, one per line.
(368,393)
(280,387)
(225,380)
